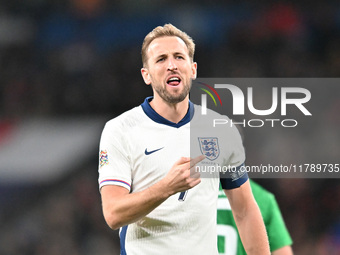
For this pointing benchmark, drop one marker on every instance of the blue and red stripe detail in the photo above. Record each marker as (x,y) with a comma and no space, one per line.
(115,180)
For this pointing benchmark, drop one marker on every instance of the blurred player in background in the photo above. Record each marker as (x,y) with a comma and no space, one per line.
(148,183)
(229,242)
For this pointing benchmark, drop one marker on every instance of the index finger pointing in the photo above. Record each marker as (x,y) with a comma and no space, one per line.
(196,160)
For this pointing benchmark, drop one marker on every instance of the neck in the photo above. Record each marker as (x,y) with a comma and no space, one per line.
(172,112)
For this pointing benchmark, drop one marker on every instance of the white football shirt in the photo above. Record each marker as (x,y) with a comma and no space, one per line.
(138,148)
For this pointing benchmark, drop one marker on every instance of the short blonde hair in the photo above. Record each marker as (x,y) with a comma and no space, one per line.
(167,30)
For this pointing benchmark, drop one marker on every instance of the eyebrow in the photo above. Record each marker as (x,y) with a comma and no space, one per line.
(161,56)
(165,55)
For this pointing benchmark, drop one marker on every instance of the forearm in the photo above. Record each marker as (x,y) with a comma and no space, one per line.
(252,231)
(126,208)
(121,207)
(249,220)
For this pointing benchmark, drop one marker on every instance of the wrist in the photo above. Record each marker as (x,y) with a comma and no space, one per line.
(162,190)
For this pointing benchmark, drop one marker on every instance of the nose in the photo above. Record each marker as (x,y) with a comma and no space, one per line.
(172,65)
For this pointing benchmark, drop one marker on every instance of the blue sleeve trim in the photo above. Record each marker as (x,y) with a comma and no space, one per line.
(234,177)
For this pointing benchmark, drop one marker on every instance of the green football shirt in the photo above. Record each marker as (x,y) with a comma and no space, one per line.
(229,242)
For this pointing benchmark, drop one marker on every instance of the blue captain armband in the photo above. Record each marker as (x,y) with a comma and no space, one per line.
(234,177)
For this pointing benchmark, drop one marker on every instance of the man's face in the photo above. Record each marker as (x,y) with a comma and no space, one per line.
(169,69)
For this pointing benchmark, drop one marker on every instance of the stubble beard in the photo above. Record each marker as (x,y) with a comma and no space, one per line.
(173,98)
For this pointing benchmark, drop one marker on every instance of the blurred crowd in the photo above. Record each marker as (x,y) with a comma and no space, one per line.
(83,57)
(66,219)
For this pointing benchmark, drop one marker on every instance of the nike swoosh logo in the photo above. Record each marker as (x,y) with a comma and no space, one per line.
(149,152)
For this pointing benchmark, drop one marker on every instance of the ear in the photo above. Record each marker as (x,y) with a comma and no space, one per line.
(146,76)
(193,70)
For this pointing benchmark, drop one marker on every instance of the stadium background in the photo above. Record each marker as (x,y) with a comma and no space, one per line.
(69,66)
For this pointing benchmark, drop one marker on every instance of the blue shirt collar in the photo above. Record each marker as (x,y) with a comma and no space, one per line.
(152,114)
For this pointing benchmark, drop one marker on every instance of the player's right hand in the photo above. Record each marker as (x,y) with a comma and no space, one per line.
(182,175)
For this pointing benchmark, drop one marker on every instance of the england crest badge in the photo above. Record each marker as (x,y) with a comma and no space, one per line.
(209,147)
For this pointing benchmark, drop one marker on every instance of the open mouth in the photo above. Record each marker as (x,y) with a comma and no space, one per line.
(173,81)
